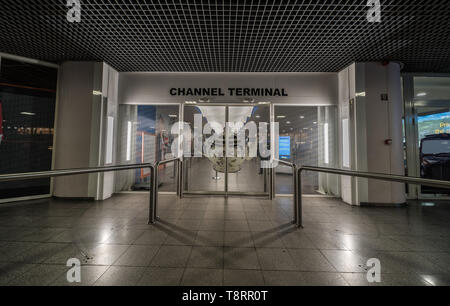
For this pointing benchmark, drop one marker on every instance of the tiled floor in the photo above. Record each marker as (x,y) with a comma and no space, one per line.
(213,241)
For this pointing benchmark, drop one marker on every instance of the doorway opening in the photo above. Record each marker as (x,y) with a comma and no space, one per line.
(223,174)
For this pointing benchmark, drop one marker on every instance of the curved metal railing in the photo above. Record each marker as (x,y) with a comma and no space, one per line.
(152,215)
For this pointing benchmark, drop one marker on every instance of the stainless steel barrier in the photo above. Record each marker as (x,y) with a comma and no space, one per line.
(296,194)
(68,172)
(375,176)
(179,180)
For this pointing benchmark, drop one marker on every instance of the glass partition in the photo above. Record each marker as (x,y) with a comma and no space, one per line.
(432,109)
(144,137)
(27,117)
(308,136)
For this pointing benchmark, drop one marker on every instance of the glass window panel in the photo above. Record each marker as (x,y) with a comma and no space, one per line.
(312,134)
(27,112)
(144,137)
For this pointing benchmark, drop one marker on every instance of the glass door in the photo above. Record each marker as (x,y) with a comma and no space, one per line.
(245,174)
(223,171)
(204,173)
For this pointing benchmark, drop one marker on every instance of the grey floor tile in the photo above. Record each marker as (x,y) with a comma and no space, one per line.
(241,258)
(10,271)
(181,238)
(42,235)
(243,278)
(360,279)
(124,236)
(353,242)
(82,235)
(39,275)
(310,260)
(275,259)
(11,249)
(324,241)
(120,276)
(411,243)
(440,259)
(105,254)
(238,239)
(161,277)
(171,257)
(437,280)
(407,262)
(202,277)
(79,251)
(296,240)
(206,257)
(137,256)
(282,278)
(188,224)
(233,215)
(346,261)
(322,279)
(267,240)
(258,226)
(151,237)
(89,275)
(212,225)
(236,226)
(209,238)
(38,253)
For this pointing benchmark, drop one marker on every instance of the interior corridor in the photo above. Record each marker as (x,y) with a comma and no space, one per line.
(213,241)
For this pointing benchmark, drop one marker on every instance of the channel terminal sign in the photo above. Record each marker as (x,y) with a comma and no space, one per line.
(234,92)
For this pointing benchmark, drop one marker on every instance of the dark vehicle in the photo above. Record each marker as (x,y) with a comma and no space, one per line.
(435,160)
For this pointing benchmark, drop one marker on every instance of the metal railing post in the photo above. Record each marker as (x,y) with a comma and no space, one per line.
(151,209)
(294,176)
(180,178)
(299,199)
(271,183)
(155,214)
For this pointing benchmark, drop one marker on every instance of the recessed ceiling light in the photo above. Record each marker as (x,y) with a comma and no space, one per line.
(281,117)
(173,116)
(315,122)
(361,94)
(421,94)
(302,117)
(27,114)
(97,93)
(288,122)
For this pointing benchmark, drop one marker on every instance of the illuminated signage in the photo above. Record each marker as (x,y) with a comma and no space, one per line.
(234,92)
(284,146)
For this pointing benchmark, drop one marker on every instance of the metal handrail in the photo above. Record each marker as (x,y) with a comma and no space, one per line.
(179,164)
(68,172)
(296,194)
(369,175)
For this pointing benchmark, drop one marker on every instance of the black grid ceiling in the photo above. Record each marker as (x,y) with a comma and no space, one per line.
(227,35)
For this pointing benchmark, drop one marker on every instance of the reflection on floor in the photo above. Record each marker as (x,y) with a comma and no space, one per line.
(213,241)
(201,175)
